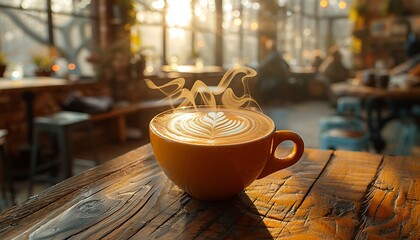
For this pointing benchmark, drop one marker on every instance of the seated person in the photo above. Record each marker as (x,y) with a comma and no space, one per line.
(413,52)
(317,62)
(333,71)
(273,72)
(333,68)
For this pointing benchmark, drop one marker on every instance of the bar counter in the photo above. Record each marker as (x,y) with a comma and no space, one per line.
(326,195)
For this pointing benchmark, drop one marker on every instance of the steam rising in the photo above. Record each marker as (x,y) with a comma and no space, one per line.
(207,95)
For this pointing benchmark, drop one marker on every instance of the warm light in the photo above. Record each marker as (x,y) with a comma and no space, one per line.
(323,3)
(254,26)
(71,66)
(342,5)
(55,68)
(179,13)
(177,33)
(237,22)
(236,13)
(255,6)
(158,4)
(200,43)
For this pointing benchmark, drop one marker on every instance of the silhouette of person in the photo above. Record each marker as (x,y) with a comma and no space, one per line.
(333,68)
(317,62)
(273,72)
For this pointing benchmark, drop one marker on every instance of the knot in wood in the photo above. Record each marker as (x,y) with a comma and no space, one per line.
(91,208)
(340,208)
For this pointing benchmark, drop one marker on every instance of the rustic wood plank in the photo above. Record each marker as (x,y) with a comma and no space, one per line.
(330,209)
(170,201)
(105,211)
(392,207)
(108,203)
(318,198)
(280,190)
(76,187)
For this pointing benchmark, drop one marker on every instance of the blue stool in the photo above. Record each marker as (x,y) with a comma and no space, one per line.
(345,130)
(60,125)
(342,122)
(406,140)
(349,106)
(345,139)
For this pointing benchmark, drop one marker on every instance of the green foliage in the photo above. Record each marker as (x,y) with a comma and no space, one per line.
(43,62)
(128,11)
(3,60)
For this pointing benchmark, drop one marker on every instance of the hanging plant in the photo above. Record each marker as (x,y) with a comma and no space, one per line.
(3,64)
(128,12)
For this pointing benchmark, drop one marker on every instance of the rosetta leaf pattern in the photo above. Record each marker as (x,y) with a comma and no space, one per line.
(216,125)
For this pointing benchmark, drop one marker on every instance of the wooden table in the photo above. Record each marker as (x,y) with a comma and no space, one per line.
(327,195)
(32,83)
(302,76)
(382,105)
(28,87)
(357,89)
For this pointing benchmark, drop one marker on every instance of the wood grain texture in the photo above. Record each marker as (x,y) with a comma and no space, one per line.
(78,187)
(392,207)
(331,209)
(326,195)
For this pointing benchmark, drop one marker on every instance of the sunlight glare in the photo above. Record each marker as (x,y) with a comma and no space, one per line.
(342,5)
(179,13)
(323,3)
(254,26)
(158,4)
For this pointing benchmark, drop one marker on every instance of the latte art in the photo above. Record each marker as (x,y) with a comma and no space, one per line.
(212,126)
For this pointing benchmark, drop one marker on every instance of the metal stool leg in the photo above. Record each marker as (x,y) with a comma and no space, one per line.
(93,145)
(64,152)
(34,160)
(9,174)
(3,170)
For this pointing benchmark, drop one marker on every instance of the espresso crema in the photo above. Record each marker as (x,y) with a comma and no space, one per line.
(207,126)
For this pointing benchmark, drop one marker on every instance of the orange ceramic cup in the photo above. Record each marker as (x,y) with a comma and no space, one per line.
(234,156)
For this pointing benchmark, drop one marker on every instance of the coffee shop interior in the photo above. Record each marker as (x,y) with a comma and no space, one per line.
(344,74)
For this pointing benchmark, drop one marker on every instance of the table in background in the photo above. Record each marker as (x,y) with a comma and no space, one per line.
(302,76)
(326,195)
(382,104)
(28,87)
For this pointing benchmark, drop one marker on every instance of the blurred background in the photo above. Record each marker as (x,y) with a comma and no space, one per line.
(308,54)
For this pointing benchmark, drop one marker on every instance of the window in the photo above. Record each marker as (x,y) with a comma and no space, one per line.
(26,32)
(240,28)
(311,26)
(174,31)
(179,30)
(184,29)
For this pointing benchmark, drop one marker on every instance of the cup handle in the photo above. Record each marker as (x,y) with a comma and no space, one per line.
(273,163)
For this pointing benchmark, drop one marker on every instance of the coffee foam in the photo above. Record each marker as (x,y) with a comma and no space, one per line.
(210,126)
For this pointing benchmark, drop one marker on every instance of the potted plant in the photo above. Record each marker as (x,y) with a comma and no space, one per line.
(3,64)
(43,65)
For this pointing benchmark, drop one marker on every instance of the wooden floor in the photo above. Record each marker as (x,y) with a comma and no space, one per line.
(302,117)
